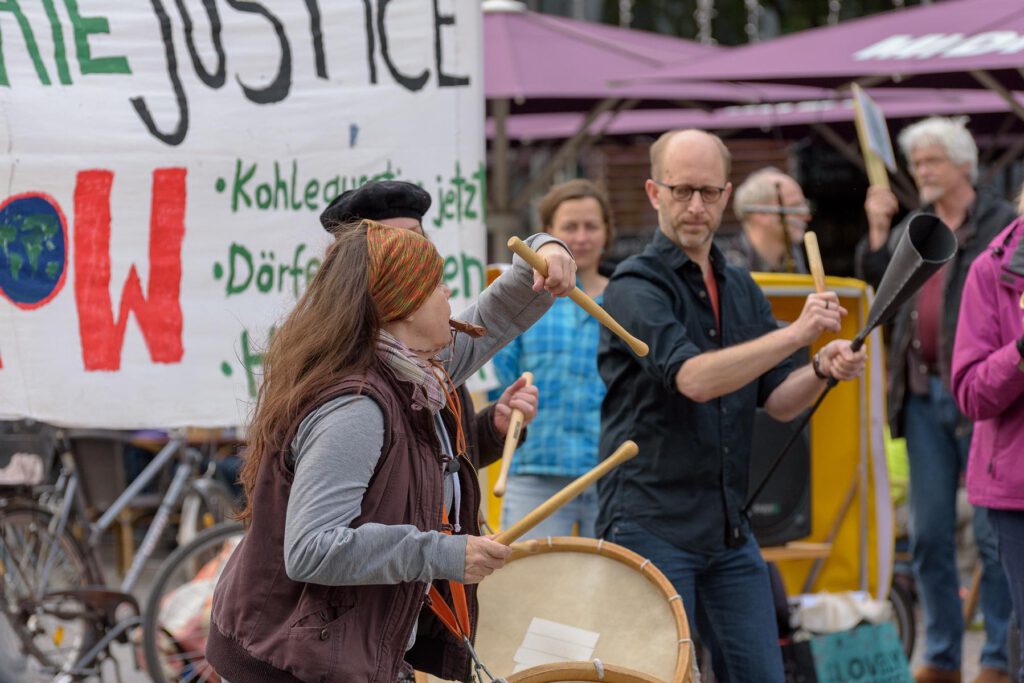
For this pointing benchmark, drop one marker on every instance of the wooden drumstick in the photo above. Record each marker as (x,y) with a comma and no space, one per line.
(814,261)
(627,450)
(580,297)
(515,424)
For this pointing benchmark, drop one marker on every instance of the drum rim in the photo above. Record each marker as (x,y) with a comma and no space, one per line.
(613,551)
(581,671)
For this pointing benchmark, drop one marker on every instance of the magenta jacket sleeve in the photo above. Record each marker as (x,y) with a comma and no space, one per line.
(986,378)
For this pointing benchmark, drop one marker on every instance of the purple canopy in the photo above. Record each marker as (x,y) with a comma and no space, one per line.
(942,45)
(537,63)
(896,104)
(530,56)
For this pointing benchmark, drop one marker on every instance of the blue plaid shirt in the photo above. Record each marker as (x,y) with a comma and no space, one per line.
(560,350)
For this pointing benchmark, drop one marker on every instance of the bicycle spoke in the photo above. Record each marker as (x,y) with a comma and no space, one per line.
(22,557)
(52,630)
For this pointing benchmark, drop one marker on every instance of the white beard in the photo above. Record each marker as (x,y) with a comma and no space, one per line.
(930,195)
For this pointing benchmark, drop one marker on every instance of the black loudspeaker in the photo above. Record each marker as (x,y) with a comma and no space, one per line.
(782,512)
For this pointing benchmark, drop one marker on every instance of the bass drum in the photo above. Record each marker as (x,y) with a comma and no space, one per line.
(580,609)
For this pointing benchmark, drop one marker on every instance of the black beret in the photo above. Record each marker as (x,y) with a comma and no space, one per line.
(377,200)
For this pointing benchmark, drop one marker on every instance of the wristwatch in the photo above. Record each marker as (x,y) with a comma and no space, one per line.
(816,364)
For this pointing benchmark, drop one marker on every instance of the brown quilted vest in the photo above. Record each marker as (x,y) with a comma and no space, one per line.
(266,627)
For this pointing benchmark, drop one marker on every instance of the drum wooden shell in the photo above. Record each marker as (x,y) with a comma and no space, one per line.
(592,585)
(573,672)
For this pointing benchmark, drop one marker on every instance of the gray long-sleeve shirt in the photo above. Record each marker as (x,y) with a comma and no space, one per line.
(336,450)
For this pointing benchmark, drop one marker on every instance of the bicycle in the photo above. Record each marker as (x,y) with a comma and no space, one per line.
(51,580)
(176,617)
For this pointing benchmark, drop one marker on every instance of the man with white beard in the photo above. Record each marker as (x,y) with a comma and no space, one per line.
(943,160)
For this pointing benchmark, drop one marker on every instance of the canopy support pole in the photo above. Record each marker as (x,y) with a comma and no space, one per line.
(499,177)
(986,79)
(907,197)
(592,139)
(1011,154)
(1003,129)
(501,221)
(568,149)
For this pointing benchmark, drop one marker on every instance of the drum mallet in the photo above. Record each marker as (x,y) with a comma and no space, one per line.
(580,297)
(814,261)
(515,426)
(627,450)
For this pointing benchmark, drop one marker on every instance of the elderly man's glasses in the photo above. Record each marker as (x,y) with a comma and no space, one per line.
(800,210)
(709,194)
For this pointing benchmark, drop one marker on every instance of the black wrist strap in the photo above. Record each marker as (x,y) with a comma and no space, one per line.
(816,366)
(1020,348)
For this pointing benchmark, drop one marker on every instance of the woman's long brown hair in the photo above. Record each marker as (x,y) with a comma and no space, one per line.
(331,332)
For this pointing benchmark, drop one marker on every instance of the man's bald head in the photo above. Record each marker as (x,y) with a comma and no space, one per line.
(673,140)
(689,188)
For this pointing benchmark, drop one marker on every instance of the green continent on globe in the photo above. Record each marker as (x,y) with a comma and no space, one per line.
(35,235)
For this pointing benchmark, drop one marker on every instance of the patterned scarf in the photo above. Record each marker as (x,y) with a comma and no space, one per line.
(408,367)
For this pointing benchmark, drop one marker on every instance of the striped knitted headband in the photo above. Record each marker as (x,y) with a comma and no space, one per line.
(405,268)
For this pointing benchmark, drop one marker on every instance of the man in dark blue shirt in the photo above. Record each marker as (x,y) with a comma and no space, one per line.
(716,353)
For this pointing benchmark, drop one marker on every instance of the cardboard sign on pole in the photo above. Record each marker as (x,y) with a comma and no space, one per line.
(873,134)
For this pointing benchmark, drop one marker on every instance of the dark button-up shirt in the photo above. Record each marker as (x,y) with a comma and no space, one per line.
(689,482)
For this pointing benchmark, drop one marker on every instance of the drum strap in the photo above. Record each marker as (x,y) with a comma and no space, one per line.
(458,621)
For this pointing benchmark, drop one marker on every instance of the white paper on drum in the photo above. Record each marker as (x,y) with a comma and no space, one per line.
(548,641)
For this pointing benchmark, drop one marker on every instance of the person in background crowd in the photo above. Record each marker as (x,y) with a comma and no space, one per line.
(988,383)
(401,204)
(561,351)
(716,353)
(944,164)
(775,214)
(355,501)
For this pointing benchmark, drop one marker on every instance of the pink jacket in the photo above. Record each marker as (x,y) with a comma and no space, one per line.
(987,379)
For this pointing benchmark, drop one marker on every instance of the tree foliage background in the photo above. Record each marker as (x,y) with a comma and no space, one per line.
(729,23)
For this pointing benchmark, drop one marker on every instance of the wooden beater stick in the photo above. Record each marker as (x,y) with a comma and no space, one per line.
(814,261)
(580,297)
(627,450)
(515,424)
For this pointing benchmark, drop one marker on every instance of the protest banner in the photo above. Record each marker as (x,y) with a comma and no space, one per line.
(162,168)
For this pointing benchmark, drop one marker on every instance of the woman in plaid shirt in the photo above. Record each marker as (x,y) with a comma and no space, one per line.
(561,351)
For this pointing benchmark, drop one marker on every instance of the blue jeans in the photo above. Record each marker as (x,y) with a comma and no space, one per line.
(524,492)
(937,457)
(727,596)
(1008,526)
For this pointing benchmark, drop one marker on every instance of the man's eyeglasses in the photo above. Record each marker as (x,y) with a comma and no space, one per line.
(709,194)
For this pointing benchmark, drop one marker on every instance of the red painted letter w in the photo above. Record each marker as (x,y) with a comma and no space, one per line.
(159,311)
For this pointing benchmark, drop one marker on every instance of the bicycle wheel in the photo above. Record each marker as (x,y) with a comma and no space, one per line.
(207,504)
(177,615)
(51,630)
